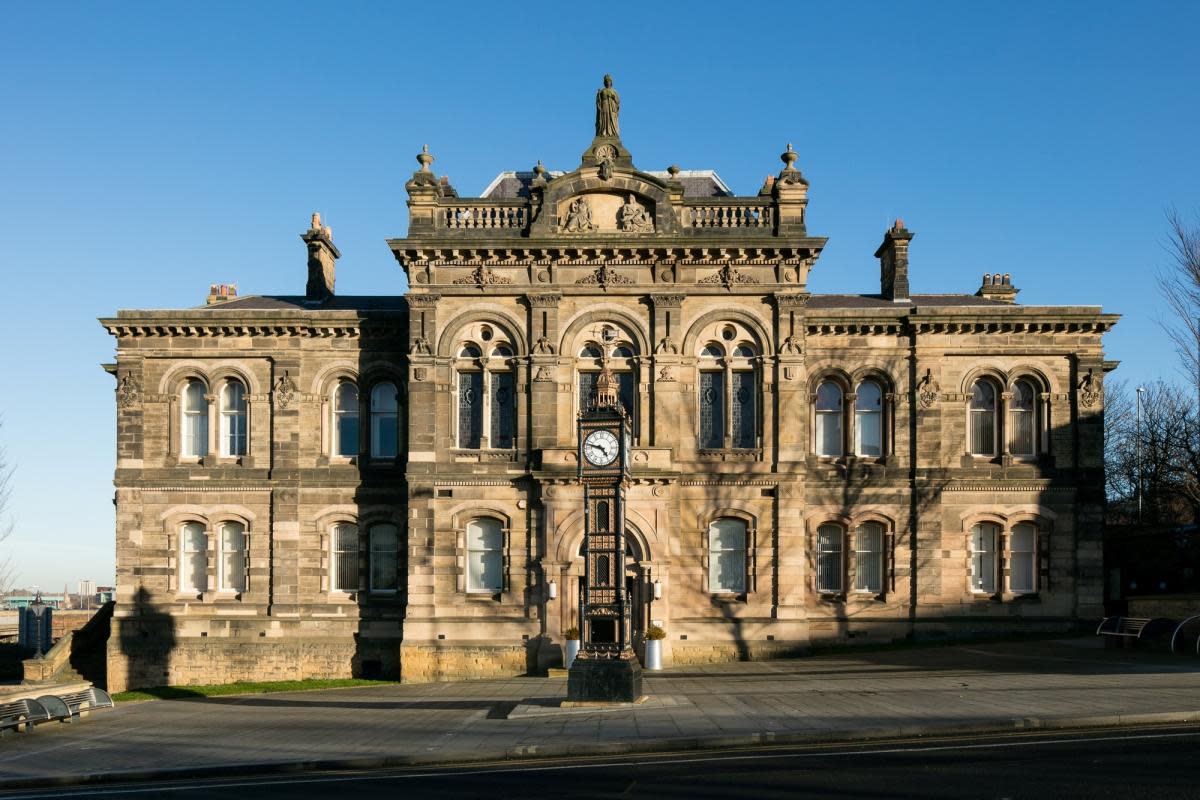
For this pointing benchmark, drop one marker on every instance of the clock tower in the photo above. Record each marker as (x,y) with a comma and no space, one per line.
(606,668)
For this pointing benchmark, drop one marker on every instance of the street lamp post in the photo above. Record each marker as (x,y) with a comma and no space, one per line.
(1138,452)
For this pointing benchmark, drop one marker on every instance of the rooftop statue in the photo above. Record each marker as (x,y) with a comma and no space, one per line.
(608,106)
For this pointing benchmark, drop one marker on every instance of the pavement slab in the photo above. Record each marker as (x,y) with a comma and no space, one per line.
(917,691)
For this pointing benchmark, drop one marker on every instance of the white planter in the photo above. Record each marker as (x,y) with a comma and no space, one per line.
(572,651)
(654,654)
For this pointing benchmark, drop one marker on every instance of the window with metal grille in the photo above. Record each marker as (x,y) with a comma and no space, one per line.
(727,556)
(830,567)
(868,558)
(384,543)
(194,420)
(1021,419)
(193,572)
(345,557)
(983,418)
(233,418)
(1022,559)
(984,540)
(233,557)
(485,556)
(829,419)
(712,409)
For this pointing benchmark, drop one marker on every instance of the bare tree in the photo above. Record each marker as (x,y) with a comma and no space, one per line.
(1180,285)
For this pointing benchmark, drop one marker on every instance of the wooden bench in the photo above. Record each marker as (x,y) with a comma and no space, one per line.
(23,714)
(1134,629)
(67,707)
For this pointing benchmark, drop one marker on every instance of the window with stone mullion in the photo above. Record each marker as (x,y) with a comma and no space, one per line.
(743,416)
(470,409)
(712,409)
(501,424)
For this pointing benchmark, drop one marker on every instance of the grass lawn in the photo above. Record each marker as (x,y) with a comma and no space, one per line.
(241,687)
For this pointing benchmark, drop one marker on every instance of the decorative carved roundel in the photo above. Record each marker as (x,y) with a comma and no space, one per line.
(606,152)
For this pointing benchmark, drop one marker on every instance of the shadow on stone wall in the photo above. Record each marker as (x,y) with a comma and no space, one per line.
(147,639)
(89,647)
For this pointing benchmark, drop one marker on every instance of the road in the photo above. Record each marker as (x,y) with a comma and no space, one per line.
(1120,763)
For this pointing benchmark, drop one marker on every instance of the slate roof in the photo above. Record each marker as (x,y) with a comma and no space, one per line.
(696,183)
(823,301)
(288,302)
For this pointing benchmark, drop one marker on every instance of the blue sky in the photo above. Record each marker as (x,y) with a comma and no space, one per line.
(148,150)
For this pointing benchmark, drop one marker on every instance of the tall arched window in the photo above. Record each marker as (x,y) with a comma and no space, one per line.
(830,561)
(1022,558)
(868,420)
(743,421)
(983,418)
(829,419)
(345,419)
(193,558)
(501,399)
(233,418)
(194,419)
(985,538)
(727,556)
(385,431)
(486,397)
(384,544)
(232,577)
(485,556)
(621,362)
(1022,420)
(868,558)
(344,572)
(712,397)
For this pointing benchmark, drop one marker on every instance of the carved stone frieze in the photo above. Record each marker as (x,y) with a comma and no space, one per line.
(729,275)
(634,218)
(578,218)
(603,276)
(483,276)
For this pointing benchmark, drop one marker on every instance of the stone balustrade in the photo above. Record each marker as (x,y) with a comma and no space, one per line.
(464,216)
(729,215)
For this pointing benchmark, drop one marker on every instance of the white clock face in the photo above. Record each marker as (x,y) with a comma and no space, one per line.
(600,448)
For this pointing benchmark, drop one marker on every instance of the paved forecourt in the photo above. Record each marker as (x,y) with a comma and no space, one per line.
(897,692)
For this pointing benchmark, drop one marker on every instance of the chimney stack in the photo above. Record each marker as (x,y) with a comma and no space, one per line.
(893,263)
(322,256)
(998,287)
(220,292)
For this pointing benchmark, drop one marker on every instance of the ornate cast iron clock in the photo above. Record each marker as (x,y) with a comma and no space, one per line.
(606,667)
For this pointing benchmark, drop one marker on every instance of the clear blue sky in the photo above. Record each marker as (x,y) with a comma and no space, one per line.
(147,150)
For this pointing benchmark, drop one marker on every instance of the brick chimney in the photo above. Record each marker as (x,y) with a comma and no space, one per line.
(893,263)
(220,292)
(322,256)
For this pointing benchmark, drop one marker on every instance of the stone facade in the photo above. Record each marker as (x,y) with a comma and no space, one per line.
(844,443)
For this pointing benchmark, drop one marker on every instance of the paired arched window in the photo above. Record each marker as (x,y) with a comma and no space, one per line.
(233,418)
(992,549)
(486,397)
(1018,429)
(622,364)
(485,556)
(727,556)
(868,420)
(194,419)
(384,543)
(385,429)
(858,560)
(345,419)
(232,561)
(728,395)
(193,558)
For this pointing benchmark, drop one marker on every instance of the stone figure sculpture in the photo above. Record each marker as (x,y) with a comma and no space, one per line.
(579,217)
(634,217)
(608,106)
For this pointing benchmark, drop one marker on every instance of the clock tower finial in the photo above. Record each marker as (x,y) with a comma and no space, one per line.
(605,393)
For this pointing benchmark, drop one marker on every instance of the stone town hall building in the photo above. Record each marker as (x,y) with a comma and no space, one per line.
(319,485)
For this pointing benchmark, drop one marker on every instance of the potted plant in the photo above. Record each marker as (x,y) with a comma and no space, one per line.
(572,637)
(654,637)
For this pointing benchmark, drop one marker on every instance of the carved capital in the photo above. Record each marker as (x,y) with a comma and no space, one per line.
(792,299)
(549,300)
(668,300)
(422,300)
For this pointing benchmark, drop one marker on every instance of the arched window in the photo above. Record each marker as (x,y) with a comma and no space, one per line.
(622,351)
(829,419)
(1022,559)
(744,350)
(727,556)
(1022,420)
(486,405)
(985,538)
(868,558)
(591,351)
(622,368)
(743,418)
(868,420)
(485,556)
(983,418)
(345,419)
(712,407)
(233,418)
(193,561)
(344,572)
(602,514)
(232,576)
(194,419)
(384,428)
(712,350)
(384,544)
(603,570)
(830,562)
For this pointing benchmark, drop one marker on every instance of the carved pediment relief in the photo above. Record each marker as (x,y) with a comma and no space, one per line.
(605,212)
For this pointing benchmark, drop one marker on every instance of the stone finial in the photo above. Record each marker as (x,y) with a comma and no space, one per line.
(673,171)
(788,157)
(315,225)
(789,176)
(538,169)
(425,158)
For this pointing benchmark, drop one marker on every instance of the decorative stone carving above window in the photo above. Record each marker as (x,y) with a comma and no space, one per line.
(728,275)
(603,276)
(483,276)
